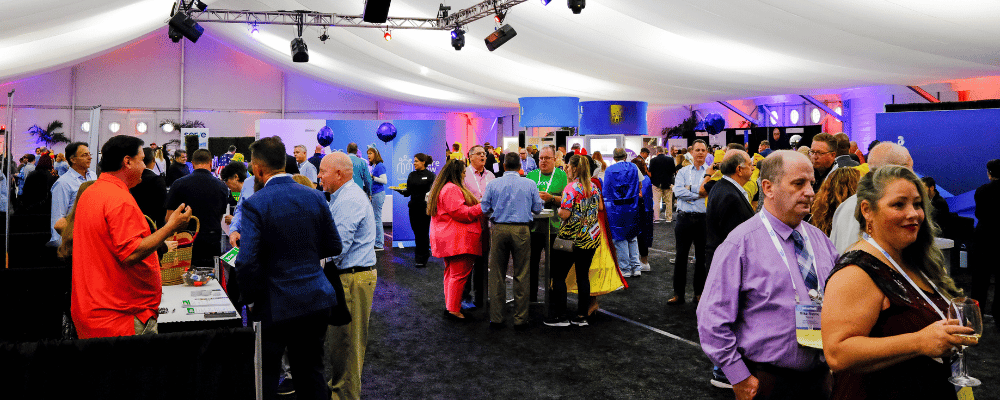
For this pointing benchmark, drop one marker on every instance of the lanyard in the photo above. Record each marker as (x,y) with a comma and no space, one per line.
(905,275)
(551,177)
(475,178)
(784,257)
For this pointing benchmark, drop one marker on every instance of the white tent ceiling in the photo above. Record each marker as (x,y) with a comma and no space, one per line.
(661,51)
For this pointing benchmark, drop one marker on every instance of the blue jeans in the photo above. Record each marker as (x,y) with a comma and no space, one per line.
(377,200)
(628,254)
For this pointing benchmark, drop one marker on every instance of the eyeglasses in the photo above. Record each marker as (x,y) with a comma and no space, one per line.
(478,153)
(546,158)
(818,153)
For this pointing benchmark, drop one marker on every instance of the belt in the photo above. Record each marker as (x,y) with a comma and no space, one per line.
(354,270)
(511,223)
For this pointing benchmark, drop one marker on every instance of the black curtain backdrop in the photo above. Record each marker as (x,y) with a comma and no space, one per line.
(214,364)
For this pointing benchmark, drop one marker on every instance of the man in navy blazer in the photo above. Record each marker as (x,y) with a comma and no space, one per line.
(286,229)
(728,207)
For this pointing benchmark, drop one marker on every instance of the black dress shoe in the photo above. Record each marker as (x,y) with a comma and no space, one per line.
(675,301)
(452,317)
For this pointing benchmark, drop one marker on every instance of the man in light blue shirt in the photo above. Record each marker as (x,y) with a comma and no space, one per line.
(355,221)
(690,228)
(234,225)
(512,203)
(64,190)
(306,168)
(362,176)
(527,163)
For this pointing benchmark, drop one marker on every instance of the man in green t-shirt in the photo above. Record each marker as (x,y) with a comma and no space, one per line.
(550,182)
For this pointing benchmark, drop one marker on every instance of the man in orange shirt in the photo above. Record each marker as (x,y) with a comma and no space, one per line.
(116,274)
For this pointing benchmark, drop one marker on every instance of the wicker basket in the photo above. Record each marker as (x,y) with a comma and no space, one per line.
(175,262)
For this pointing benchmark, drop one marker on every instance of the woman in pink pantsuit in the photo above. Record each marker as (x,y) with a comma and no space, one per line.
(455,232)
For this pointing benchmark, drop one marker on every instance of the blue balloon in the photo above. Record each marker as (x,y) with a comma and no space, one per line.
(714,123)
(386,132)
(325,136)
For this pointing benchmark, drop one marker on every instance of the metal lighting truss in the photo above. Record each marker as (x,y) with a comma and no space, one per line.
(309,18)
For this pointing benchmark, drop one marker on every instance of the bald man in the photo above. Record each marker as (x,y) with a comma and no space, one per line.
(355,221)
(846,230)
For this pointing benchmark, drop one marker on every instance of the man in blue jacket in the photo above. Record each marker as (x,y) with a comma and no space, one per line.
(622,192)
(286,229)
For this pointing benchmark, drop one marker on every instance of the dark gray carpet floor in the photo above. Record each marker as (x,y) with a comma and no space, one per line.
(413,353)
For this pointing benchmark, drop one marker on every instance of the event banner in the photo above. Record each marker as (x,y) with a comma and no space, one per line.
(411,137)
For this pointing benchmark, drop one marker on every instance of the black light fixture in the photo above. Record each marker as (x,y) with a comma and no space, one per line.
(499,37)
(577,5)
(300,52)
(201,5)
(182,24)
(458,38)
(324,37)
(443,11)
(500,15)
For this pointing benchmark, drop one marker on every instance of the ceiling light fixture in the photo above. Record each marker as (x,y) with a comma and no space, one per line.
(300,52)
(114,127)
(499,37)
(576,5)
(324,36)
(387,35)
(546,2)
(85,127)
(182,25)
(458,38)
(254,31)
(167,127)
(443,11)
(141,127)
(500,16)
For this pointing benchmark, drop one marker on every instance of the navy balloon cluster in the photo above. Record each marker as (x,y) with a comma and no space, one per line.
(386,132)
(714,123)
(325,136)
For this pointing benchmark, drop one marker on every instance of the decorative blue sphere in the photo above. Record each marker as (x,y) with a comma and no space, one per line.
(386,132)
(325,136)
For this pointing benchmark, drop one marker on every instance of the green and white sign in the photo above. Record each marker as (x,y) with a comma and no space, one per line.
(230,256)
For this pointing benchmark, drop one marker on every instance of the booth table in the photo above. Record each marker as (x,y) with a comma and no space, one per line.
(210,297)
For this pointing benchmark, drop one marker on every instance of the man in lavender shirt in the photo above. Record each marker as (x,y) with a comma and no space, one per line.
(746,317)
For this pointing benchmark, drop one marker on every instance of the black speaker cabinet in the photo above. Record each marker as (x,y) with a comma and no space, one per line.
(376,11)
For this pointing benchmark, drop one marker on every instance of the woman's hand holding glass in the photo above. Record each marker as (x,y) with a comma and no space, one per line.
(965,313)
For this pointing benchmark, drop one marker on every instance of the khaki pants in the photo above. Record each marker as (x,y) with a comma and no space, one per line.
(507,241)
(149,328)
(346,344)
(667,195)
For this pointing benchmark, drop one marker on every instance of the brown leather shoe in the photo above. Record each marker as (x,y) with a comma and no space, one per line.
(676,300)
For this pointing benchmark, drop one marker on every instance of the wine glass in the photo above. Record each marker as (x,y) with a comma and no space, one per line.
(966,311)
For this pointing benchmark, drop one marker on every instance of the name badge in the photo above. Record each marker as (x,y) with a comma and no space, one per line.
(807,325)
(595,231)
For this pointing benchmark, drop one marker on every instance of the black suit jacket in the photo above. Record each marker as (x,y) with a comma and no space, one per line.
(151,194)
(662,170)
(727,209)
(176,171)
(987,198)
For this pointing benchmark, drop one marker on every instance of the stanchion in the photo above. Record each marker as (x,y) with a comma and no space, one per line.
(257,361)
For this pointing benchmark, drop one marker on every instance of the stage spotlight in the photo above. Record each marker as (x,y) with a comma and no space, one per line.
(201,5)
(499,37)
(499,17)
(183,24)
(387,36)
(546,2)
(254,32)
(324,37)
(300,52)
(443,11)
(577,5)
(458,38)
